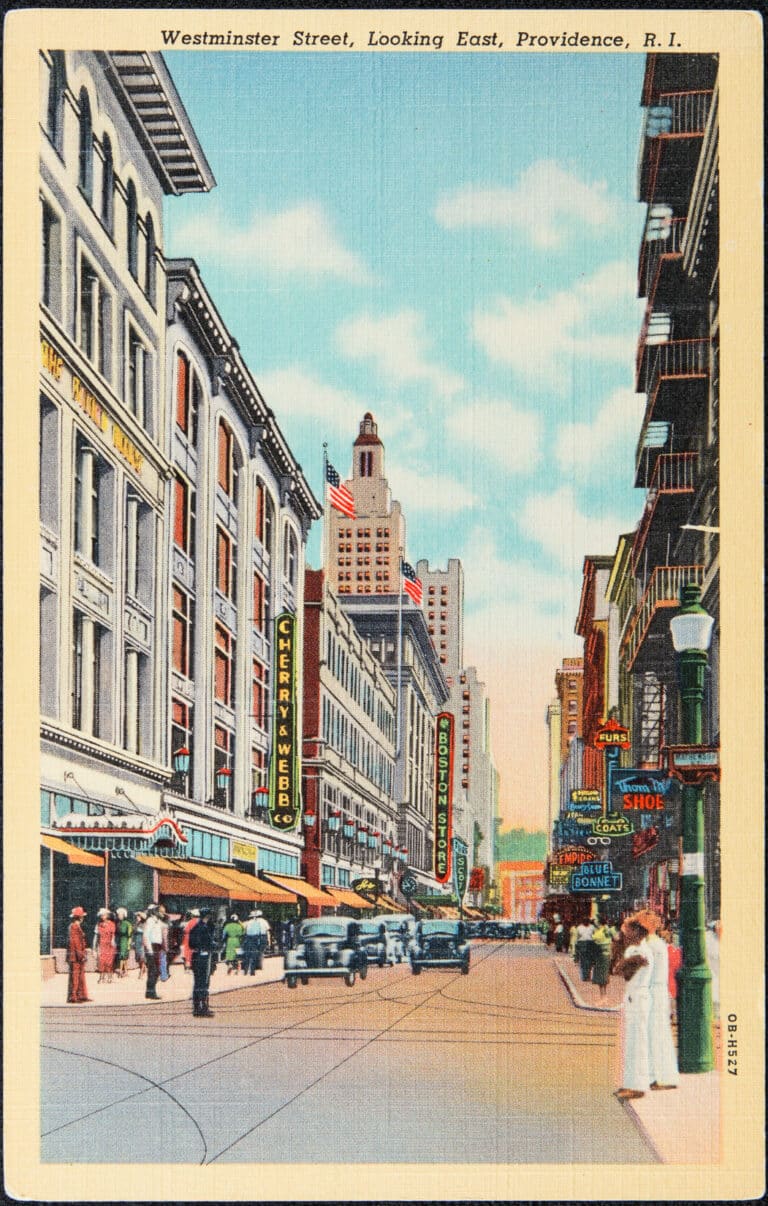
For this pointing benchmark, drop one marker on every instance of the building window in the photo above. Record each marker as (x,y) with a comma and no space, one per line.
(90,677)
(366,464)
(85,159)
(57,84)
(93,505)
(49,465)
(226,473)
(224,758)
(572,705)
(184,516)
(187,398)
(50,285)
(260,603)
(224,666)
(572,728)
(260,695)
(182,738)
(150,266)
(95,307)
(107,184)
(137,386)
(269,523)
(49,652)
(226,569)
(139,549)
(132,230)
(290,555)
(183,633)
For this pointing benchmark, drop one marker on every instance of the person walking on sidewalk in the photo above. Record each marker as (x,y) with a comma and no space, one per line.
(193,918)
(635,966)
(233,933)
(662,1057)
(124,931)
(254,943)
(138,942)
(104,947)
(201,940)
(584,949)
(603,943)
(163,958)
(77,991)
(153,944)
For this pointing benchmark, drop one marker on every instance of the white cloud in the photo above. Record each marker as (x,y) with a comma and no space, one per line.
(398,348)
(297,240)
(503,433)
(616,425)
(541,336)
(430,492)
(567,534)
(545,204)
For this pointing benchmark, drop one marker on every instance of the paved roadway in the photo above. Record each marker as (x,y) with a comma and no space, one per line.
(496,1066)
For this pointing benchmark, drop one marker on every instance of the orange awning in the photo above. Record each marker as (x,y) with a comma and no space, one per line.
(157,863)
(300,887)
(193,886)
(257,889)
(385,904)
(73,853)
(213,875)
(346,896)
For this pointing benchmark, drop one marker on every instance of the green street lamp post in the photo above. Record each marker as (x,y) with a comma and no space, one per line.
(691,631)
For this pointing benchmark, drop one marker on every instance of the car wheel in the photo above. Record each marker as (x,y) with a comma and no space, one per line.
(415,969)
(305,979)
(349,978)
(465,968)
(381,960)
(363,970)
(290,981)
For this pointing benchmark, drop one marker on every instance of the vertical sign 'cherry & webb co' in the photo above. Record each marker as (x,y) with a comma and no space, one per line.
(284,763)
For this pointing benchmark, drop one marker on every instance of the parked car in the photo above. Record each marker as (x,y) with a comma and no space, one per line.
(440,943)
(401,928)
(381,946)
(327,946)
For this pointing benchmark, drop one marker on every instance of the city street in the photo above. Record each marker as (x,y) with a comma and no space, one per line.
(496,1066)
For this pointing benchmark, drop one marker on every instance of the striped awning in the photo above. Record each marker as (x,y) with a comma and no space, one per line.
(346,896)
(300,887)
(385,904)
(73,853)
(257,889)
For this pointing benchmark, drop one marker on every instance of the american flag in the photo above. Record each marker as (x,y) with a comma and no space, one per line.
(411,584)
(338,495)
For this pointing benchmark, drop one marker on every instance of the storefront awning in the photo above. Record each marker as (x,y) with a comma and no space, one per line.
(212,875)
(73,853)
(157,863)
(193,887)
(385,904)
(257,889)
(346,896)
(300,887)
(469,911)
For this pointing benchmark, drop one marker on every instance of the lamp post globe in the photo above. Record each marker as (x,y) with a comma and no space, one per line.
(691,631)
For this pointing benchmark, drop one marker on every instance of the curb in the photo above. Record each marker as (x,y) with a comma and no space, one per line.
(579,1001)
(175,1000)
(643,1129)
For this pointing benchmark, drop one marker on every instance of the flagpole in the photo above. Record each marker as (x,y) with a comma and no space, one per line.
(399,645)
(324,537)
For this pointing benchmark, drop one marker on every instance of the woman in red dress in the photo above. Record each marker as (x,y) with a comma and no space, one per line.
(76,949)
(104,945)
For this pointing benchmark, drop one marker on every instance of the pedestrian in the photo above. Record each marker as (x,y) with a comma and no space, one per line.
(201,944)
(77,990)
(253,943)
(233,933)
(560,938)
(583,951)
(603,942)
(162,917)
(572,942)
(635,966)
(124,932)
(104,945)
(153,944)
(138,942)
(193,916)
(662,1057)
(675,962)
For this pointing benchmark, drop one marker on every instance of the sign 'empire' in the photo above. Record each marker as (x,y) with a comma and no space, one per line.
(284,763)
(443,795)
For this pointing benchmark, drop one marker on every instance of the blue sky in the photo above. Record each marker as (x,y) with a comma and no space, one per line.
(449,241)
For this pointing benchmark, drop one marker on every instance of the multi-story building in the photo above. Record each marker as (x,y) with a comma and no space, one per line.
(592,627)
(569,687)
(241,513)
(522,889)
(115,139)
(362,555)
(677,539)
(421,693)
(554,723)
(443,607)
(348,770)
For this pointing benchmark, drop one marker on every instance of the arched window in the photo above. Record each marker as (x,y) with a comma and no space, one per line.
(290,556)
(132,230)
(85,171)
(269,523)
(150,276)
(57,84)
(107,184)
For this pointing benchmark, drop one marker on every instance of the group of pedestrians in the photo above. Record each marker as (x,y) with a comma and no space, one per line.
(649,1059)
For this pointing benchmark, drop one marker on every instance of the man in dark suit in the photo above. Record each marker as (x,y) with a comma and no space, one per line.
(201,944)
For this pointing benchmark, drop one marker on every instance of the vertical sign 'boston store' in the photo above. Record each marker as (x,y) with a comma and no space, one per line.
(284,763)
(443,795)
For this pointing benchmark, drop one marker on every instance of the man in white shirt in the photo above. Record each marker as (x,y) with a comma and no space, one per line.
(153,944)
(255,941)
(584,949)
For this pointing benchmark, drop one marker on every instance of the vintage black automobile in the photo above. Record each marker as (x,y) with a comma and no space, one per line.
(326,946)
(440,943)
(401,928)
(383,947)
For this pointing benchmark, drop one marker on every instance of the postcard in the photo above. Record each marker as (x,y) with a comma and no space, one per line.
(382,577)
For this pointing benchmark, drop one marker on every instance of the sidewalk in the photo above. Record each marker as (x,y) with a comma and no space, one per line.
(682,1125)
(129,990)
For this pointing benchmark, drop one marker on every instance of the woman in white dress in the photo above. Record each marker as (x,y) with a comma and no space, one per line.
(635,967)
(662,1057)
